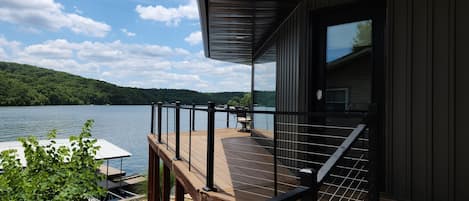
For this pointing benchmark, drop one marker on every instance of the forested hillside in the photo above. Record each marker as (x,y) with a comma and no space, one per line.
(29,85)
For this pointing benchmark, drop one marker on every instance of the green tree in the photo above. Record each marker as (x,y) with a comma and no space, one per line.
(53,172)
(244,101)
(30,85)
(363,37)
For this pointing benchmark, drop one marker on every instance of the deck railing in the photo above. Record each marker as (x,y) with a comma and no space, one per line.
(310,155)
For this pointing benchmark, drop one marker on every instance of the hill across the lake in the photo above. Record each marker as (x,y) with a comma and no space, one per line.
(22,84)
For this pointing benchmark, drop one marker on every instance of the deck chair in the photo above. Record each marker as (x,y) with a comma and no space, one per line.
(243,119)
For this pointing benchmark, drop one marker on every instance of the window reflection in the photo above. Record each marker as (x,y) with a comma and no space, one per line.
(264,91)
(349,64)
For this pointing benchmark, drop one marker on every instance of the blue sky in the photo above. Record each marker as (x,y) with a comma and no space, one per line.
(138,43)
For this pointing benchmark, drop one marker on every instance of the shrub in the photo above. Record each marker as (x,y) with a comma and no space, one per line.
(53,172)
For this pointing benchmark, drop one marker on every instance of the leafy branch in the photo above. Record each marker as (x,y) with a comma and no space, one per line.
(53,172)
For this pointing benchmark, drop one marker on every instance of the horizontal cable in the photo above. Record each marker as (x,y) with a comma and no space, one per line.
(348,114)
(254,169)
(319,135)
(310,143)
(348,178)
(332,196)
(251,161)
(300,160)
(315,126)
(341,187)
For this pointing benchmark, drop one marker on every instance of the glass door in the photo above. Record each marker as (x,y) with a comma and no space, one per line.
(348,66)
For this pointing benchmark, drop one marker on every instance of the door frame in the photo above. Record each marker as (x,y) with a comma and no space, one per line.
(320,20)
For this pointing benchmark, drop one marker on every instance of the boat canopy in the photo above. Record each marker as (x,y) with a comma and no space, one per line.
(106,152)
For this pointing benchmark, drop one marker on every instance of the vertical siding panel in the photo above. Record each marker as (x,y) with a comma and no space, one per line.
(461,148)
(441,100)
(398,115)
(421,103)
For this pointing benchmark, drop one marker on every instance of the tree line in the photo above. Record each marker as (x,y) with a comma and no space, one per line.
(22,85)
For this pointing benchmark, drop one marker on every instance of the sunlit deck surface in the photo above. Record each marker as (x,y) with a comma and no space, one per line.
(243,168)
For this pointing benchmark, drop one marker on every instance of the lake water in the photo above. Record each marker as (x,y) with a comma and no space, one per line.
(125,126)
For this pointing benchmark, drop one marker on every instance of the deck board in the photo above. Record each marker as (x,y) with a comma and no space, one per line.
(243,168)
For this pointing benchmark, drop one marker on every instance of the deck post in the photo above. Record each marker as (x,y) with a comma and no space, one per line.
(179,194)
(151,174)
(193,116)
(178,131)
(152,124)
(160,108)
(156,175)
(308,177)
(166,190)
(210,146)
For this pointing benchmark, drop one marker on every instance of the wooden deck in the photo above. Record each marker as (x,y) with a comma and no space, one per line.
(243,168)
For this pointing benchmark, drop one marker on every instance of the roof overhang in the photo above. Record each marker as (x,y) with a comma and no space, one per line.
(233,30)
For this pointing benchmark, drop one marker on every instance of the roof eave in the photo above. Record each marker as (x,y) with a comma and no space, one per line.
(203,12)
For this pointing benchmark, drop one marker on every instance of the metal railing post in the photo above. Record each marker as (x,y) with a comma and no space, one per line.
(210,146)
(193,116)
(152,124)
(178,132)
(160,110)
(308,178)
(190,139)
(373,143)
(275,157)
(227,119)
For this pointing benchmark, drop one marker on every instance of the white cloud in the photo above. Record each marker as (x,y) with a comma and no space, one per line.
(75,8)
(128,33)
(135,65)
(194,38)
(47,14)
(45,50)
(171,16)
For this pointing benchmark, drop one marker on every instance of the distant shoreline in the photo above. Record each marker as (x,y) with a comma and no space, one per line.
(27,85)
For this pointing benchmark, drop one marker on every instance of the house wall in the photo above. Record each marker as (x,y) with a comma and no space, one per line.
(461,100)
(426,96)
(427,72)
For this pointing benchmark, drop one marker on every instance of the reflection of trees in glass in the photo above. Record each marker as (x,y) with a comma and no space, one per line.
(264,98)
(363,37)
(241,101)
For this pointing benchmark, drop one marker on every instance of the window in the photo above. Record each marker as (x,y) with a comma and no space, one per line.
(337,100)
(348,66)
(264,90)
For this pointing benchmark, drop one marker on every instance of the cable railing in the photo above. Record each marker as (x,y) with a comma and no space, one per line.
(300,155)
